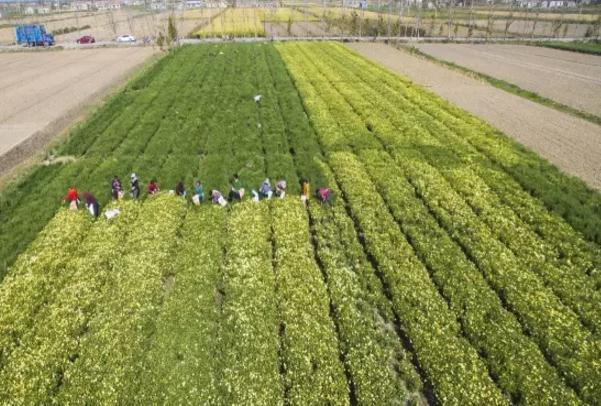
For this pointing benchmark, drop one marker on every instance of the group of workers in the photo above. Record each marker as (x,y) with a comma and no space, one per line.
(237,192)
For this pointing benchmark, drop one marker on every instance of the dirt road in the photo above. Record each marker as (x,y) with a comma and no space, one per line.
(571,143)
(42,93)
(567,77)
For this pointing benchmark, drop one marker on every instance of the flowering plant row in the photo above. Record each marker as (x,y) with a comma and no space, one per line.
(412,148)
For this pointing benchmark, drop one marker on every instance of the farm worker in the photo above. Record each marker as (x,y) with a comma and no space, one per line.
(116,188)
(153,187)
(305,190)
(135,186)
(199,193)
(72,198)
(324,195)
(217,198)
(180,190)
(236,191)
(91,204)
(280,188)
(265,189)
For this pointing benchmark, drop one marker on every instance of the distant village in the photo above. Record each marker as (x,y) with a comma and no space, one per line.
(37,7)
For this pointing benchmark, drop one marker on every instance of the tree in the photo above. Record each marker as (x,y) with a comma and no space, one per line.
(161,40)
(171,30)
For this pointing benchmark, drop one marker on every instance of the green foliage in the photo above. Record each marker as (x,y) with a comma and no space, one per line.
(171,31)
(450,266)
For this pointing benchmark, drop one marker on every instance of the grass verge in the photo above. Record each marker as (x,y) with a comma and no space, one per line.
(508,87)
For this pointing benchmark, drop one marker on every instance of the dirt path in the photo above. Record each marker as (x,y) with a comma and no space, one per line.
(568,77)
(42,93)
(571,143)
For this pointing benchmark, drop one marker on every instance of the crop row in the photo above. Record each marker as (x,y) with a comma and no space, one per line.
(33,371)
(566,196)
(560,242)
(111,149)
(313,373)
(250,338)
(111,354)
(181,366)
(35,276)
(574,288)
(346,122)
(378,368)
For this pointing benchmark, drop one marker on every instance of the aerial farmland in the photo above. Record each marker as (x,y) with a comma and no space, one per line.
(293,204)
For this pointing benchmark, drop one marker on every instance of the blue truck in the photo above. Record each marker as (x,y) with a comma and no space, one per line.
(33,35)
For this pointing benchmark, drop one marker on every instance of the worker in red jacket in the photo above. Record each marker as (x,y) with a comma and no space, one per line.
(72,198)
(324,195)
(153,187)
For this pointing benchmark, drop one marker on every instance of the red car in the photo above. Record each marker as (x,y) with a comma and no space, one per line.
(86,39)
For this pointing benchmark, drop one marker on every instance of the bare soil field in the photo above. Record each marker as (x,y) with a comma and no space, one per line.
(573,144)
(43,92)
(567,77)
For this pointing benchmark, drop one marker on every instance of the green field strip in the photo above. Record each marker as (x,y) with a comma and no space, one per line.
(145,109)
(576,290)
(380,369)
(565,195)
(520,367)
(35,369)
(37,273)
(302,142)
(280,162)
(368,342)
(153,127)
(546,334)
(561,244)
(313,373)
(249,328)
(569,245)
(189,145)
(423,312)
(111,353)
(556,329)
(164,155)
(181,366)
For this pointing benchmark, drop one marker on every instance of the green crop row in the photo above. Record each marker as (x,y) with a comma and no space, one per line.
(575,288)
(35,276)
(336,123)
(563,195)
(313,373)
(250,328)
(111,355)
(361,312)
(181,366)
(33,371)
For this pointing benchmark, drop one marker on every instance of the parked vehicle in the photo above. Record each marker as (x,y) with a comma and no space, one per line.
(126,38)
(86,39)
(33,35)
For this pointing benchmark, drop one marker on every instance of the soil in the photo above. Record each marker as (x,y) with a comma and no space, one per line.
(571,143)
(43,93)
(570,78)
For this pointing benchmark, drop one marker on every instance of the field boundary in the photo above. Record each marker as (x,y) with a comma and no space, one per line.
(506,86)
(35,149)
